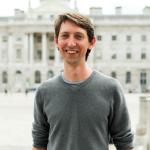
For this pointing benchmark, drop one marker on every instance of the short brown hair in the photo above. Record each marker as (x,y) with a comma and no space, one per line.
(80,20)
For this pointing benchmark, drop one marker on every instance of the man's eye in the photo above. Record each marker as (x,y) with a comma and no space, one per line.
(79,37)
(64,36)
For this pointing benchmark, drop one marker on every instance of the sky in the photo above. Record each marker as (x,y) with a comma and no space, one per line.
(128,6)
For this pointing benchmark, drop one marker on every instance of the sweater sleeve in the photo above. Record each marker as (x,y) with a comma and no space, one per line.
(40,130)
(120,127)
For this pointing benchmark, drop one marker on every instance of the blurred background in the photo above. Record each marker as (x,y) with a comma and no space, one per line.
(28,56)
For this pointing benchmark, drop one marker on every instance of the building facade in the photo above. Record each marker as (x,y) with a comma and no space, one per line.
(28,55)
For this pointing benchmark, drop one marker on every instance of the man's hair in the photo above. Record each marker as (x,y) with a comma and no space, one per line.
(80,20)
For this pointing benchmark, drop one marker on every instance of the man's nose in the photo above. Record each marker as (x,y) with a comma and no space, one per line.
(71,42)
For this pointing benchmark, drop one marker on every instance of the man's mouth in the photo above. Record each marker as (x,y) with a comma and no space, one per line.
(71,51)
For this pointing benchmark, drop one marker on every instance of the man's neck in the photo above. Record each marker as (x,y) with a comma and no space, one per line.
(77,73)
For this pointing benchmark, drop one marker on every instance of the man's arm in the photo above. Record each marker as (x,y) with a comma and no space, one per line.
(40,126)
(120,126)
(34,148)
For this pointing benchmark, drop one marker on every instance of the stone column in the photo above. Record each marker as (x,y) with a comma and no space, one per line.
(31,48)
(143,128)
(10,61)
(44,48)
(91,58)
(148,123)
(143,111)
(57,55)
(10,49)
(26,48)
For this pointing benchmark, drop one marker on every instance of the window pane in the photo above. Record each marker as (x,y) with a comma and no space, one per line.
(114,37)
(18,53)
(99,38)
(128,55)
(50,73)
(4,77)
(114,56)
(128,38)
(37,77)
(4,38)
(143,56)
(128,77)
(113,74)
(143,38)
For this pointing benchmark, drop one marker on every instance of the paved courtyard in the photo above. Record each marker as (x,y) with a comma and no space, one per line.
(16,121)
(16,117)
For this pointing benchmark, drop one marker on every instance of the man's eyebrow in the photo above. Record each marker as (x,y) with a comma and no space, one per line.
(63,32)
(79,32)
(66,32)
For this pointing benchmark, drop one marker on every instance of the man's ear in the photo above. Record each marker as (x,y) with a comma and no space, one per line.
(92,43)
(56,40)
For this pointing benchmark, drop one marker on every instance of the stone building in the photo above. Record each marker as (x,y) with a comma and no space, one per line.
(29,56)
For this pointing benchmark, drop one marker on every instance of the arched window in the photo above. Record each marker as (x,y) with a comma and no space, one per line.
(50,74)
(143,78)
(143,81)
(4,77)
(128,77)
(37,77)
(18,72)
(18,77)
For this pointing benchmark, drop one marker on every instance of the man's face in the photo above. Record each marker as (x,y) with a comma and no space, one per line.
(73,43)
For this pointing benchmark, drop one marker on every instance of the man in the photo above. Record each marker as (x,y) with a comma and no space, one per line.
(80,109)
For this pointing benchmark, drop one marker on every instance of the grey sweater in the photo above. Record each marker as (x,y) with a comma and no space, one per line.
(81,116)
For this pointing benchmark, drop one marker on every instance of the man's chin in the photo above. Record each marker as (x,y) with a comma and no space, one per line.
(72,62)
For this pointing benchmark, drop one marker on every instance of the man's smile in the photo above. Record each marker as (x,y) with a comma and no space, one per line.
(71,51)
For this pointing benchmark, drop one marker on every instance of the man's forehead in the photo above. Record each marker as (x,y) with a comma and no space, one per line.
(69,22)
(65,27)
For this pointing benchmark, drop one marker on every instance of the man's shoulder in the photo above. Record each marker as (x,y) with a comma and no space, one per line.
(106,79)
(50,83)
(106,82)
